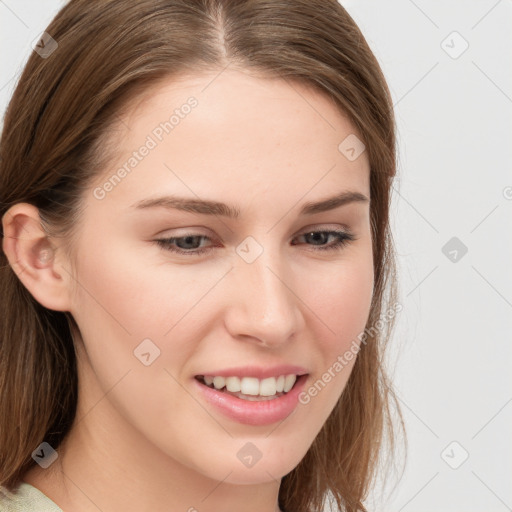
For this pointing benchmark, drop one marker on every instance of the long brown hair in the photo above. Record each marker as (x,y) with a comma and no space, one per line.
(53,146)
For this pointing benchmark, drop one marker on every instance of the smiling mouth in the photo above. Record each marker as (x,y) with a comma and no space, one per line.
(254,389)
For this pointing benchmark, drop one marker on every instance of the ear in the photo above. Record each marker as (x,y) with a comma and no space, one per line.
(35,260)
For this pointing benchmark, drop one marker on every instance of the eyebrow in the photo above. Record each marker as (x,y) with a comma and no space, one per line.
(208,207)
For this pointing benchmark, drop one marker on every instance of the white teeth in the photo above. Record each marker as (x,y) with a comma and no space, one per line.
(219,382)
(268,387)
(233,384)
(289,382)
(253,386)
(250,386)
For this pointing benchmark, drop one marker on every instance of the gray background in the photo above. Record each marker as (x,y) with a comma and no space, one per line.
(452,349)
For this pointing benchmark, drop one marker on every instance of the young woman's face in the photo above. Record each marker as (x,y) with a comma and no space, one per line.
(265,294)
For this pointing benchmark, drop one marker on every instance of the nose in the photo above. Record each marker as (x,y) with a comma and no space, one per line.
(262,304)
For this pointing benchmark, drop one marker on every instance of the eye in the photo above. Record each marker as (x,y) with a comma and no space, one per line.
(169,244)
(181,244)
(341,238)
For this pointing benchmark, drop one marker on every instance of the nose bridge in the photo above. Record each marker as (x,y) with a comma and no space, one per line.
(262,305)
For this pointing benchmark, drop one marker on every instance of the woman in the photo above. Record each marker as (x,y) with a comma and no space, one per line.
(243,372)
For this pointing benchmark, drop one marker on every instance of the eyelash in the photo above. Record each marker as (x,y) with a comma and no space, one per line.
(344,238)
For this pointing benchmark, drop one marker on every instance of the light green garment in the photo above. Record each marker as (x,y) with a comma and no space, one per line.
(26,498)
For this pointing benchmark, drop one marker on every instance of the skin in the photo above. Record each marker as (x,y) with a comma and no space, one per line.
(143,439)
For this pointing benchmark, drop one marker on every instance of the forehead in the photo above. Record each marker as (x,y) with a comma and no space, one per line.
(244,134)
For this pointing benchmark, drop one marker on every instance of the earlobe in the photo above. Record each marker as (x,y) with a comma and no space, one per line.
(32,257)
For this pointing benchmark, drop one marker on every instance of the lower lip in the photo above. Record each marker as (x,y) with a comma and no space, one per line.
(264,412)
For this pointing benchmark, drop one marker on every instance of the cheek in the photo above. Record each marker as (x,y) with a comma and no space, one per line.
(125,300)
(121,303)
(342,297)
(340,305)
(122,292)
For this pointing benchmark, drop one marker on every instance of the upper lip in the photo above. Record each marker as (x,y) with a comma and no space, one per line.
(260,372)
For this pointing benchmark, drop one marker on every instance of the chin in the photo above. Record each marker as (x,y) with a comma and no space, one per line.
(260,473)
(273,465)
